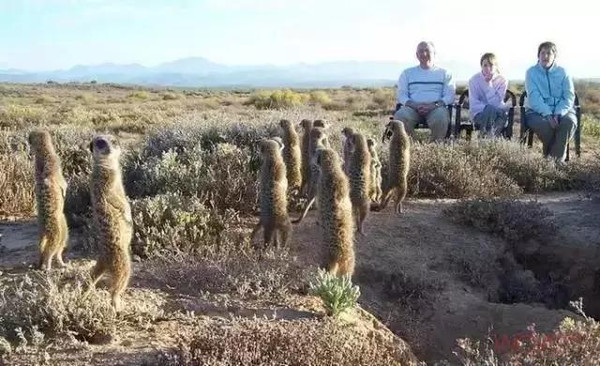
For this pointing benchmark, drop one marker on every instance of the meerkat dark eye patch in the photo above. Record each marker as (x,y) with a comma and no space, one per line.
(386,134)
(101,144)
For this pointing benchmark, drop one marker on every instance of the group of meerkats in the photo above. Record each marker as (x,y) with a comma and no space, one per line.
(345,189)
(111,212)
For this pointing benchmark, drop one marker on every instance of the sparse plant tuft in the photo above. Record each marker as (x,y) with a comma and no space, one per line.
(337,292)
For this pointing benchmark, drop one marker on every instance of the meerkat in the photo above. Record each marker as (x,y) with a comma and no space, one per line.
(335,214)
(359,176)
(318,140)
(274,218)
(306,125)
(292,154)
(321,123)
(399,155)
(347,132)
(50,192)
(112,221)
(375,190)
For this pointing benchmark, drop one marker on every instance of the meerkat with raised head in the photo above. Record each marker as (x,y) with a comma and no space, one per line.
(318,140)
(292,154)
(359,176)
(399,161)
(347,132)
(321,123)
(376,179)
(274,217)
(306,125)
(111,214)
(335,214)
(50,192)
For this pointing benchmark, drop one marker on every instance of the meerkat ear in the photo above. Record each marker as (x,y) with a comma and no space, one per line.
(92,146)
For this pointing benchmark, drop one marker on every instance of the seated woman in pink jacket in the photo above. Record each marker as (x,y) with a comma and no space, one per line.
(486,98)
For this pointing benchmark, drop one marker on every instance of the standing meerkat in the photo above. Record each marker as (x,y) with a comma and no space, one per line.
(318,140)
(335,211)
(292,155)
(274,218)
(111,213)
(399,155)
(359,176)
(306,125)
(347,132)
(50,192)
(375,190)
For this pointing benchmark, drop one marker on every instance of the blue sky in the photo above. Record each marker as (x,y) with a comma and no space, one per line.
(58,34)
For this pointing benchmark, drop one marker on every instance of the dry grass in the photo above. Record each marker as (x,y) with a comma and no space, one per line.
(249,275)
(190,169)
(16,185)
(515,221)
(295,342)
(37,307)
(574,342)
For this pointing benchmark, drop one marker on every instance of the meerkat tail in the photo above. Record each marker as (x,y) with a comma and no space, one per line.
(385,199)
(119,284)
(95,276)
(43,246)
(305,212)
(64,238)
(363,211)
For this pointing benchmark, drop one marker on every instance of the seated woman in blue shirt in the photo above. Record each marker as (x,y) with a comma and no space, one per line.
(550,100)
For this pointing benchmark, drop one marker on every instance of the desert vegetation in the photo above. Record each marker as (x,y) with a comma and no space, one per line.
(190,168)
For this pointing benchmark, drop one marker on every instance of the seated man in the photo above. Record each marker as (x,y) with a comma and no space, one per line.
(550,99)
(424,92)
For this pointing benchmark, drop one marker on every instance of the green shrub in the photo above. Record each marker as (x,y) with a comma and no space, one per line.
(197,172)
(171,96)
(278,99)
(384,98)
(140,94)
(320,97)
(591,126)
(337,292)
(169,224)
(85,98)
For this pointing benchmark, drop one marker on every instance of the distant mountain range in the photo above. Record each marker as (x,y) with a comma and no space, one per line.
(200,72)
